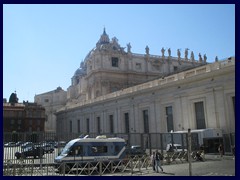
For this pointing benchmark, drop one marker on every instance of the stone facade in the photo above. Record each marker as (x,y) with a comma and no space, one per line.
(203,97)
(23,117)
(51,101)
(109,72)
(108,68)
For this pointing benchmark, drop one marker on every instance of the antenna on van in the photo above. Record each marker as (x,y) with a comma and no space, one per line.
(85,136)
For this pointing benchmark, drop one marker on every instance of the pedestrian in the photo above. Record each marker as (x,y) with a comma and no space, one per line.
(202,150)
(158,158)
(171,149)
(153,160)
(199,156)
(220,150)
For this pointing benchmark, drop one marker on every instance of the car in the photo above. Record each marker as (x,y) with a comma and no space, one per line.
(19,143)
(30,152)
(135,150)
(27,144)
(52,143)
(174,148)
(60,144)
(10,144)
(48,148)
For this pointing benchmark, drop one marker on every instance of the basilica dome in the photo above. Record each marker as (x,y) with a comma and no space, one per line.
(79,72)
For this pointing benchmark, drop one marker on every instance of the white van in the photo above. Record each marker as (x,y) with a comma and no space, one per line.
(84,150)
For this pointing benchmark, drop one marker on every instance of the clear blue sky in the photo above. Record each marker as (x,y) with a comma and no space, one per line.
(43,45)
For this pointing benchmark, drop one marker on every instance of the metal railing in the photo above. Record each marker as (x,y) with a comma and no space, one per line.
(129,165)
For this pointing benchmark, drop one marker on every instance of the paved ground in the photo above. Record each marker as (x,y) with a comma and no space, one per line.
(213,166)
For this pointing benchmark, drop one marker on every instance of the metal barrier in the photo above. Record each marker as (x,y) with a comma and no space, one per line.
(129,165)
(45,165)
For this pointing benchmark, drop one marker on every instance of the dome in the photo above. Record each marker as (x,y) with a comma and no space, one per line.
(79,72)
(89,54)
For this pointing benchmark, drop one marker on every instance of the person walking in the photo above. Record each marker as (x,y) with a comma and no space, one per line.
(220,150)
(158,158)
(153,160)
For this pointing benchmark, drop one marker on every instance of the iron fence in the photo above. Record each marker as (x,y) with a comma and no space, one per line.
(45,165)
(147,141)
(129,165)
(150,142)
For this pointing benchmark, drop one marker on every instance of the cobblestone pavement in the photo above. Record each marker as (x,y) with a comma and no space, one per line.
(211,167)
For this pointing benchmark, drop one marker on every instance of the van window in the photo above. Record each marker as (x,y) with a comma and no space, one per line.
(117,149)
(95,150)
(75,151)
(78,150)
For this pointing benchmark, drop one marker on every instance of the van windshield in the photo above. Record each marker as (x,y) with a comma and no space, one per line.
(66,149)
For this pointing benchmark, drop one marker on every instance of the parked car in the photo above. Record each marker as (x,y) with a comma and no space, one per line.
(174,148)
(30,152)
(19,143)
(48,148)
(27,144)
(60,144)
(135,150)
(10,144)
(52,143)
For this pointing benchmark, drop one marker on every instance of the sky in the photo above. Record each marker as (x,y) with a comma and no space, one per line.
(43,45)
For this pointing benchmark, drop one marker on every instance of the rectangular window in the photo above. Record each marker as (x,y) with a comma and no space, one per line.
(88,126)
(78,126)
(20,114)
(98,150)
(98,125)
(145,121)
(175,68)
(29,113)
(33,114)
(78,150)
(200,118)
(12,121)
(169,115)
(114,62)
(138,66)
(126,117)
(111,123)
(70,126)
(38,114)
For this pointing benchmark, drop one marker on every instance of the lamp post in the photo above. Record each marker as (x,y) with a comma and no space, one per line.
(189,152)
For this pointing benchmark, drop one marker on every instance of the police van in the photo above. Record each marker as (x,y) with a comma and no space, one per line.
(84,150)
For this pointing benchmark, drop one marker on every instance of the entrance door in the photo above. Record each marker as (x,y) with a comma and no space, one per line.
(211,144)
